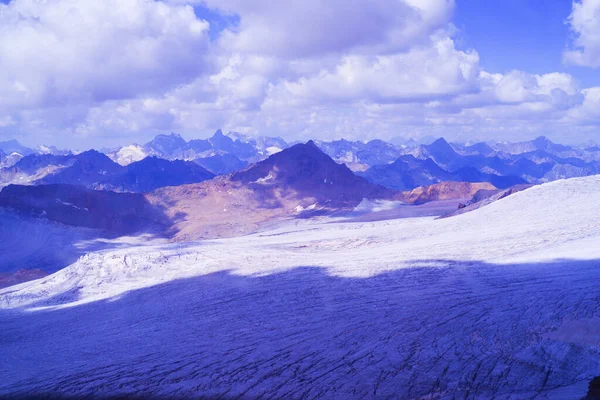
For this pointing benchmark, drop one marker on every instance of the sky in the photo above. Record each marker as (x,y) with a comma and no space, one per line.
(84,73)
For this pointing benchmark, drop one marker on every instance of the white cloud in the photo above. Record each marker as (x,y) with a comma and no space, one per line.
(584,21)
(124,70)
(588,112)
(66,51)
(420,74)
(308,28)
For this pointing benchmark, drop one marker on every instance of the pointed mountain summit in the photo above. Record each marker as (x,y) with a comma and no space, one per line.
(152,173)
(86,169)
(543,143)
(439,145)
(13,146)
(309,172)
(443,154)
(166,145)
(224,143)
(296,182)
(407,173)
(480,148)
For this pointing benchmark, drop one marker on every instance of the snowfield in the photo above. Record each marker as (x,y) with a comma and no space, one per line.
(500,302)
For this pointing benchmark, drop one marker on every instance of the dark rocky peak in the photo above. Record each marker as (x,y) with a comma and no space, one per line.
(440,145)
(117,213)
(33,162)
(94,160)
(541,142)
(152,173)
(166,144)
(219,140)
(226,144)
(309,172)
(481,148)
(13,146)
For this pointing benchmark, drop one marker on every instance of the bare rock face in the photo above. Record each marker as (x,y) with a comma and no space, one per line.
(444,191)
(117,213)
(296,182)
(484,197)
(152,173)
(308,172)
(20,276)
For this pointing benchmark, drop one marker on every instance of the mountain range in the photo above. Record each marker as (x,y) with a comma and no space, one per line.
(170,160)
(500,302)
(298,182)
(96,170)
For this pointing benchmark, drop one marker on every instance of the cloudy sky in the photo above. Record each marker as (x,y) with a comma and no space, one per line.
(83,73)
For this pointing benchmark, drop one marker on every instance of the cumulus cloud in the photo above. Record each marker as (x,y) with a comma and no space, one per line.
(588,112)
(308,28)
(124,70)
(584,22)
(68,51)
(422,73)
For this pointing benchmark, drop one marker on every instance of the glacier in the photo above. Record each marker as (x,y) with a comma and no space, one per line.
(500,302)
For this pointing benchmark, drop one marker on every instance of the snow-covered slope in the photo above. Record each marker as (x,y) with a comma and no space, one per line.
(479,305)
(549,220)
(128,154)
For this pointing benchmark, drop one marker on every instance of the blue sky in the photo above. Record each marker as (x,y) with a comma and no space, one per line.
(528,35)
(119,71)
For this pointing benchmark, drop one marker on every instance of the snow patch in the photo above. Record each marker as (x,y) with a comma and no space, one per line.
(265,180)
(272,150)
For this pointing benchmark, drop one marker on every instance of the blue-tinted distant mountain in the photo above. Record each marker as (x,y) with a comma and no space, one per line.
(240,149)
(96,170)
(264,145)
(307,172)
(539,143)
(166,146)
(554,167)
(543,143)
(31,163)
(8,160)
(86,169)
(152,173)
(52,150)
(472,174)
(408,172)
(13,146)
(93,169)
(480,148)
(32,168)
(245,148)
(221,164)
(531,166)
(443,154)
(359,156)
(402,168)
(199,146)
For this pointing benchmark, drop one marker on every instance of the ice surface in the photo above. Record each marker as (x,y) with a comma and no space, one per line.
(479,305)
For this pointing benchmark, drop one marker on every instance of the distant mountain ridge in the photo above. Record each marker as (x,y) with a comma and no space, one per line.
(403,166)
(311,173)
(95,170)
